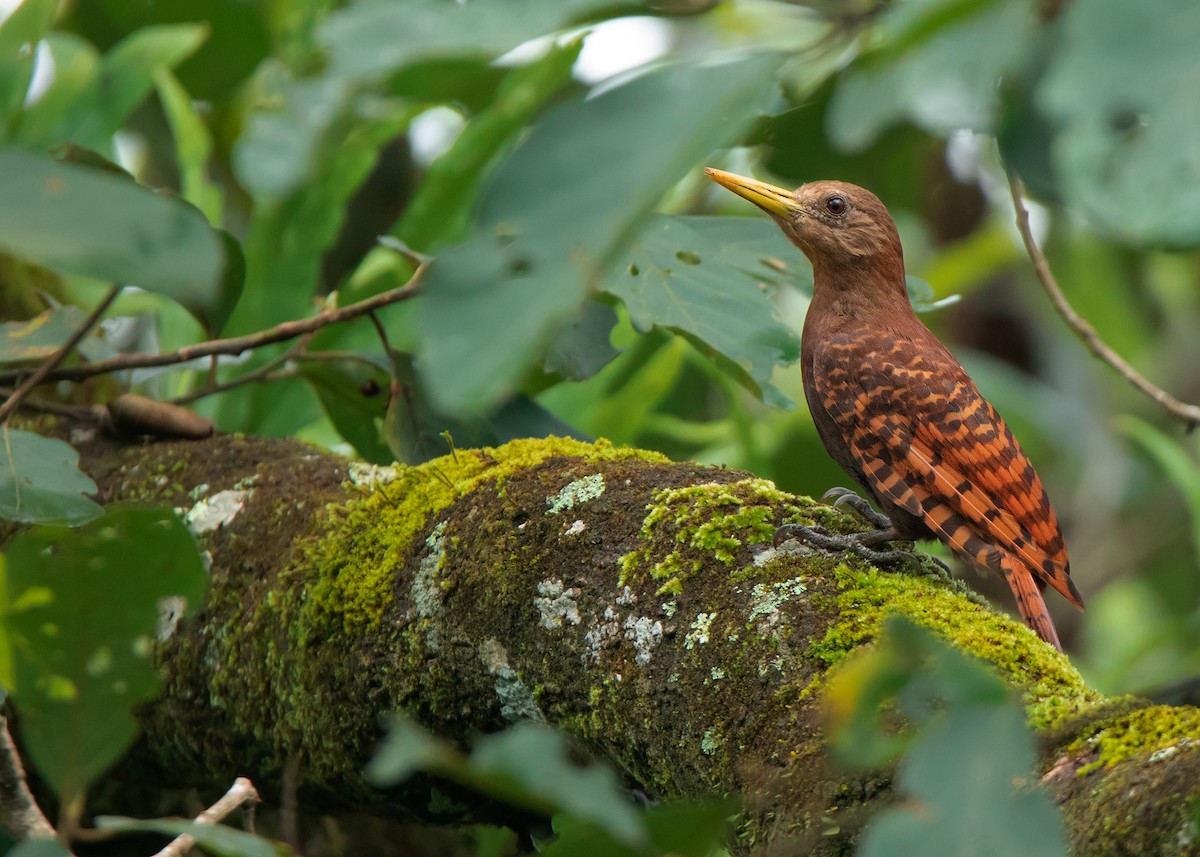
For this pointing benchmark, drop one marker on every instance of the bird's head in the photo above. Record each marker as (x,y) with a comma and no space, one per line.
(836,224)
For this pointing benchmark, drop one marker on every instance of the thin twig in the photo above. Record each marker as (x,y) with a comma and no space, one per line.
(43,372)
(19,812)
(235,345)
(74,412)
(242,791)
(263,373)
(1190,414)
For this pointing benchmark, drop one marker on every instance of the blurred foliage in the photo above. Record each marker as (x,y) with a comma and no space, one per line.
(237,160)
(959,794)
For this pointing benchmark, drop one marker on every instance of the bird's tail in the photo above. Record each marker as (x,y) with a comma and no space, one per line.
(1029,600)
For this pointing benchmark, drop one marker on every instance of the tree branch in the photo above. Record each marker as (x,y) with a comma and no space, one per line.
(19,812)
(46,369)
(234,345)
(1190,414)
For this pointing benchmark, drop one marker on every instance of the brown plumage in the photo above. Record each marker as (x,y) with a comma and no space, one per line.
(897,411)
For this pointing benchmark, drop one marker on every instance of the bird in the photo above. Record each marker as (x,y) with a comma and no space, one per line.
(899,413)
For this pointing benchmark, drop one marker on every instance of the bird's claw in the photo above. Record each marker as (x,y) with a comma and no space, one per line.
(856,543)
(847,497)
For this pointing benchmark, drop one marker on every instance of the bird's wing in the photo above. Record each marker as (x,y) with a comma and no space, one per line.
(919,430)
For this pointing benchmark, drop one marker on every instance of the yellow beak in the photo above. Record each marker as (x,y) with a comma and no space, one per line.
(771,199)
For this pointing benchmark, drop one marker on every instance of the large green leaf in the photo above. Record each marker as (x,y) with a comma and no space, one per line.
(80,609)
(1121,89)
(82,221)
(214,839)
(561,211)
(40,480)
(709,278)
(939,70)
(962,797)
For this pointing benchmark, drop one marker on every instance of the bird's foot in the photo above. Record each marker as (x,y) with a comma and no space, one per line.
(858,543)
(861,544)
(847,497)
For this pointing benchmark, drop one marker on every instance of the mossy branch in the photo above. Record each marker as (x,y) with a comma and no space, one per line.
(634,602)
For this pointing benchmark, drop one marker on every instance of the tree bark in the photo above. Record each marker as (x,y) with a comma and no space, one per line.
(633,602)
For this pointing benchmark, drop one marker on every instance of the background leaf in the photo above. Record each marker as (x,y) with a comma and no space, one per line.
(537,250)
(81,221)
(40,480)
(80,609)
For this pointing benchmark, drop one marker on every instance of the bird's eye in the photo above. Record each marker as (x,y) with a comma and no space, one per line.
(835,205)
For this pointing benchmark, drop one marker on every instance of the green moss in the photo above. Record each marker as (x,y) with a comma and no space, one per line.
(1052,689)
(1158,729)
(373,535)
(703,521)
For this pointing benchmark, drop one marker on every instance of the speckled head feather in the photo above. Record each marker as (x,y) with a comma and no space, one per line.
(897,411)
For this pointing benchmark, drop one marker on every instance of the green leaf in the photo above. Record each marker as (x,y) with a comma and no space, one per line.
(40,480)
(1121,90)
(528,765)
(585,347)
(80,609)
(19,35)
(440,206)
(1170,456)
(81,221)
(193,146)
(357,417)
(74,90)
(963,796)
(39,848)
(38,338)
(941,74)
(365,40)
(959,795)
(127,76)
(562,209)
(697,829)
(406,750)
(709,278)
(531,761)
(213,838)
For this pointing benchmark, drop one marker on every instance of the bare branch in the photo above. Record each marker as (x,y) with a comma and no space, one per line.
(242,791)
(234,345)
(19,812)
(43,372)
(1190,414)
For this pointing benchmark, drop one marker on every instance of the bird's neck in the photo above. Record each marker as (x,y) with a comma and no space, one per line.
(864,292)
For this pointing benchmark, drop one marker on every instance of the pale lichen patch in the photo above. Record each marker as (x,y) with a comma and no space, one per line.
(701,626)
(362,473)
(767,598)
(556,604)
(574,493)
(516,701)
(216,511)
(645,634)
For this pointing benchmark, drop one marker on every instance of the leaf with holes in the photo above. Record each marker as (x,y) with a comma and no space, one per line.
(560,212)
(711,278)
(79,610)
